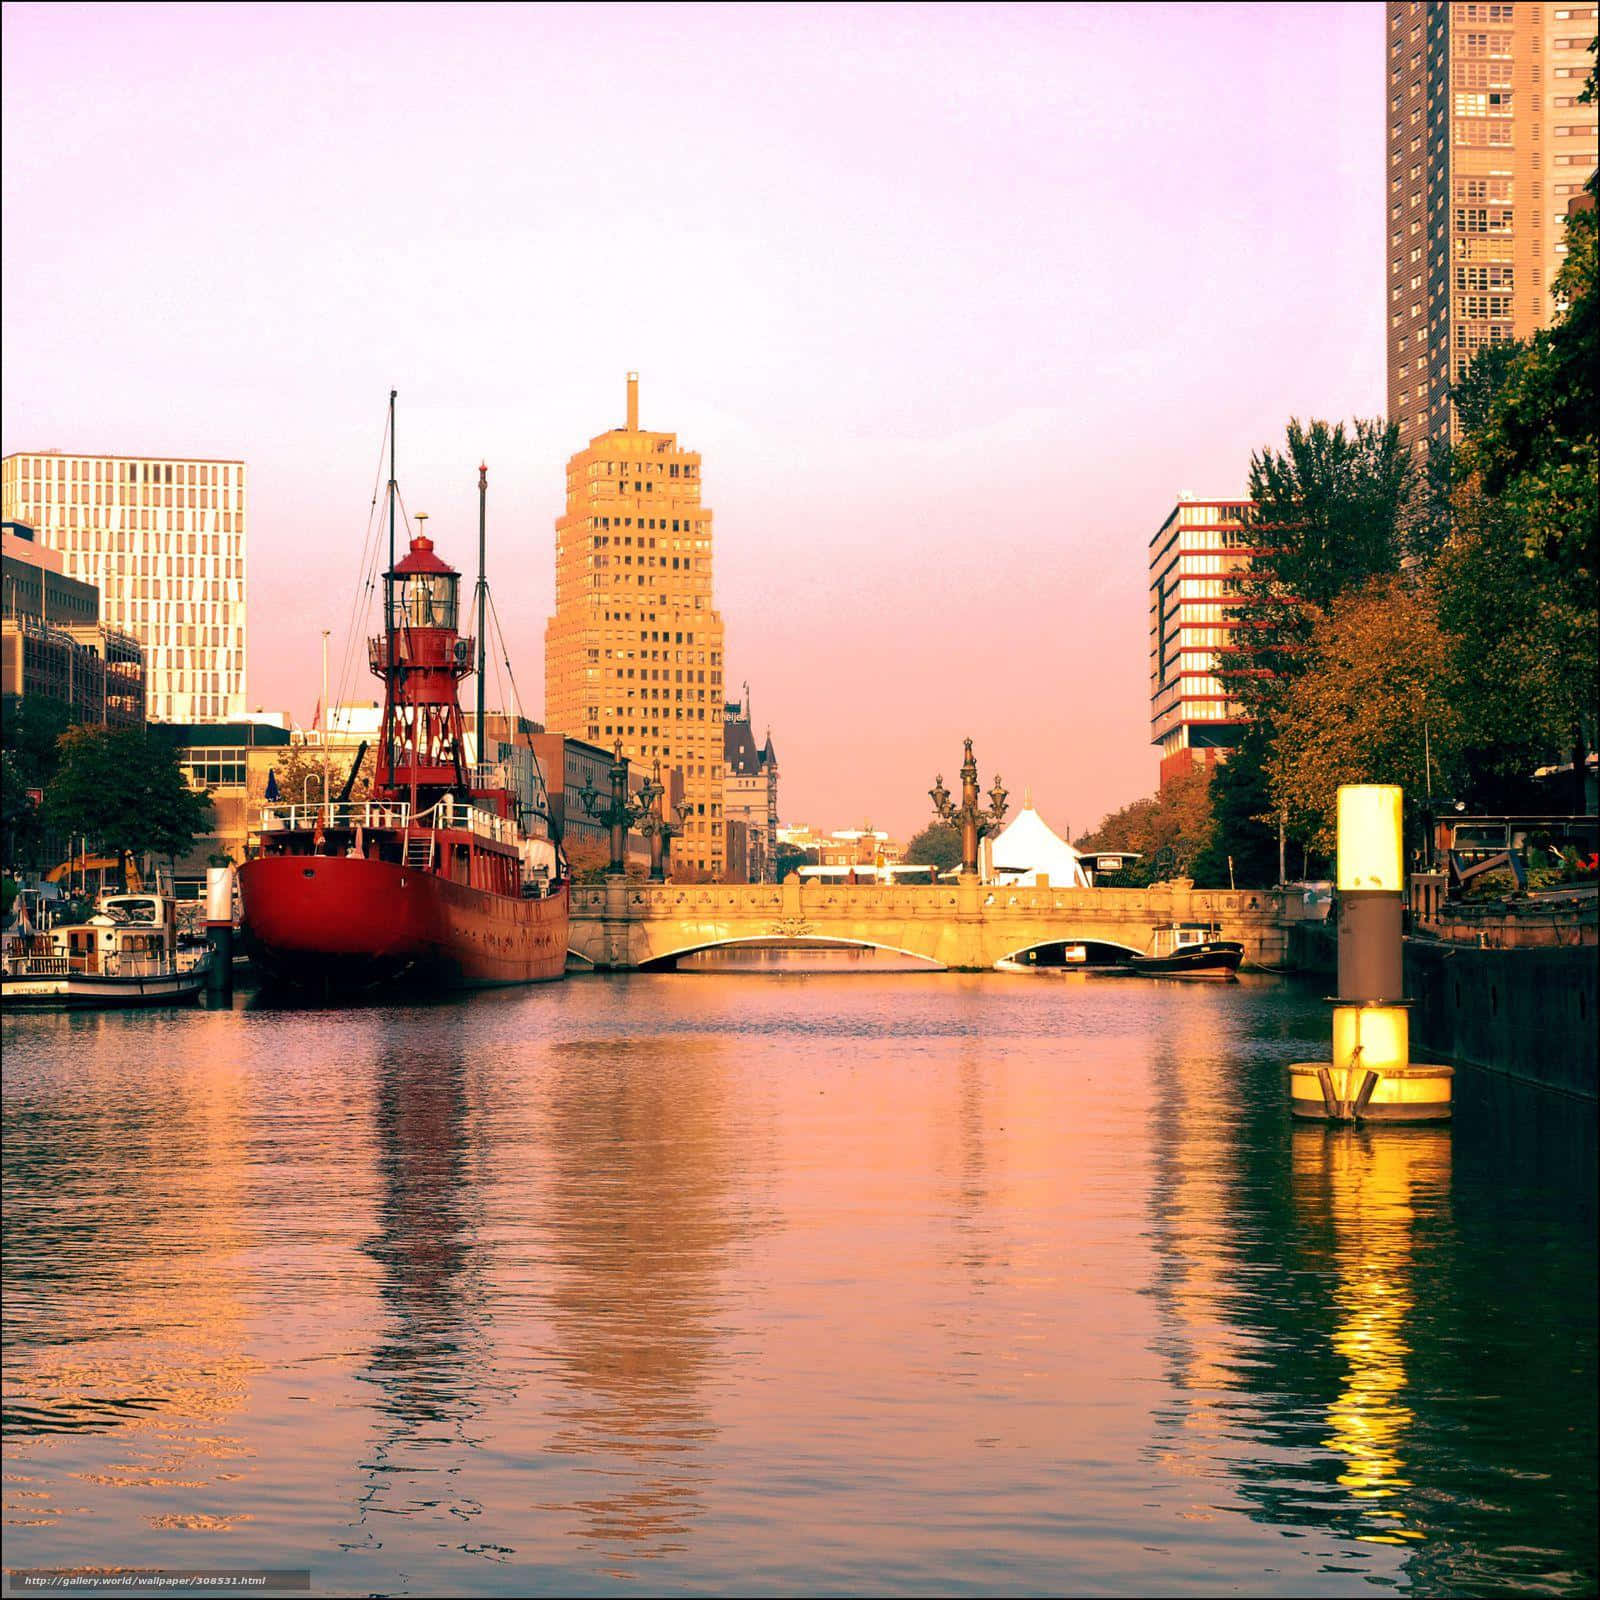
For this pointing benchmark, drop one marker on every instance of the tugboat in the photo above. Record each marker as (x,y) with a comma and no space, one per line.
(126,954)
(432,880)
(1188,950)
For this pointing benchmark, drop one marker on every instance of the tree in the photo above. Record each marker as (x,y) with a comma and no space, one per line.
(1331,510)
(124,790)
(1535,448)
(1243,847)
(1378,694)
(937,846)
(1177,820)
(787,858)
(299,770)
(1524,649)
(28,758)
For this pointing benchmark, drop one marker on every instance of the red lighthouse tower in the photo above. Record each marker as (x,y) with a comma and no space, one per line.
(421,658)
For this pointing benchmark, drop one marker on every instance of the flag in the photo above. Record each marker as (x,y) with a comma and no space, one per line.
(316,717)
(272,784)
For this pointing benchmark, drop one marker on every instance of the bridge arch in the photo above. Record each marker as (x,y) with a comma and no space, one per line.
(1100,951)
(666,960)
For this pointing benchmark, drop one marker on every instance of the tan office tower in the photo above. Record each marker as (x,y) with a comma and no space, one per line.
(634,650)
(163,540)
(1487,146)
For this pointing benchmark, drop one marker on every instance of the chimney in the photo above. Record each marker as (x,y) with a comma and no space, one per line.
(633,402)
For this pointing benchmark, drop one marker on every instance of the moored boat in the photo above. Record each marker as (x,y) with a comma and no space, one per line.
(433,880)
(125,954)
(1189,950)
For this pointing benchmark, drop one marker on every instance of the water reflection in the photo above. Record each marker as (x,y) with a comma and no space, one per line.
(1359,1186)
(1061,1301)
(433,1365)
(123,1234)
(642,1217)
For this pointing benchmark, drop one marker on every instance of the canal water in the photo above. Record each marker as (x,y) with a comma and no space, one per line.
(815,1283)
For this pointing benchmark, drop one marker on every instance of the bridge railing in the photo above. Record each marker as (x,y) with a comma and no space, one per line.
(1159,901)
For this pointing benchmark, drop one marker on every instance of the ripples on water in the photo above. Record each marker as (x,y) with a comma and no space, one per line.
(932,1283)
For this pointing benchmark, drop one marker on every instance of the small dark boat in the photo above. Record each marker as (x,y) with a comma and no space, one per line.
(1189,950)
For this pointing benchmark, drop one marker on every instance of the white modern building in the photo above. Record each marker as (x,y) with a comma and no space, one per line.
(164,541)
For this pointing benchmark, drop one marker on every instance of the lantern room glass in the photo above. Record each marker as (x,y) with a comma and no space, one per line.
(422,599)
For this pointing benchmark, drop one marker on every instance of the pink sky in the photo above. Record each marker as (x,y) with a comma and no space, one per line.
(955,301)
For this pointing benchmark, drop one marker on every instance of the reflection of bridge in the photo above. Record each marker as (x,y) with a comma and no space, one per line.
(967,925)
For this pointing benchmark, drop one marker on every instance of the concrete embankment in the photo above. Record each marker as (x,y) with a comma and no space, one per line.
(1529,1013)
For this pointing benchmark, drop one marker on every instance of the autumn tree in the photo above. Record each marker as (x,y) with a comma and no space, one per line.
(1377,700)
(1169,829)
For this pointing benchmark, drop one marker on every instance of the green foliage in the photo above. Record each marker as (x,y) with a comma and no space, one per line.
(789,858)
(1523,651)
(1241,797)
(32,726)
(124,790)
(938,846)
(1331,505)
(1332,509)
(28,760)
(1532,448)
(1177,820)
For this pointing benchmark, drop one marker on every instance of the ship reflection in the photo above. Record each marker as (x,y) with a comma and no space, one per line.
(641,1220)
(432,1363)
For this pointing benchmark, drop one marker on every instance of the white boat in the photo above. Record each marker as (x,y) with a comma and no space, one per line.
(126,954)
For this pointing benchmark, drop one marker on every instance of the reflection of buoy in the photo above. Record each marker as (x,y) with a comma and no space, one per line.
(1371,1078)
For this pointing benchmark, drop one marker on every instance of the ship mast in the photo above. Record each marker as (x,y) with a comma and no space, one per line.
(483,594)
(388,620)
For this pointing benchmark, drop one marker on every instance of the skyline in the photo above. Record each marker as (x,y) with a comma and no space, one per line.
(985,369)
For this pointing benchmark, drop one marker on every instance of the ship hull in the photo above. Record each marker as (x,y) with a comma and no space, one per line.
(345,924)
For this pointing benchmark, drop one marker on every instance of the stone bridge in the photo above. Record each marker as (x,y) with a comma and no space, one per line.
(969,926)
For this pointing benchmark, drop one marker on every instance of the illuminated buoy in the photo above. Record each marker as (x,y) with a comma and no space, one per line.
(1371,1077)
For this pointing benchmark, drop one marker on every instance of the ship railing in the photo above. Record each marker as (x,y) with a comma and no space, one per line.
(158,966)
(448,812)
(453,813)
(334,814)
(36,966)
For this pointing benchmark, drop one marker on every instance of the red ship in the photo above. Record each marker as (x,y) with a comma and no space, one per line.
(431,880)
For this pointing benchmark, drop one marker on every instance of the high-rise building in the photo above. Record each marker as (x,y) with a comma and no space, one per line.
(1194,558)
(164,542)
(634,650)
(1487,146)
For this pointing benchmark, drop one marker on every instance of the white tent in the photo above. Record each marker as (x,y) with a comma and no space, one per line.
(1028,849)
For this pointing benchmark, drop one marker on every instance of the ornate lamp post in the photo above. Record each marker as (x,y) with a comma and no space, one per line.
(618,812)
(655,826)
(973,820)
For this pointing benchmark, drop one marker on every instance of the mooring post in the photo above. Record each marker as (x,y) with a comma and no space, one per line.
(1372,1078)
(219,931)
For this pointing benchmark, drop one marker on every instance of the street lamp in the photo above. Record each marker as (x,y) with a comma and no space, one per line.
(617,811)
(974,821)
(655,826)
